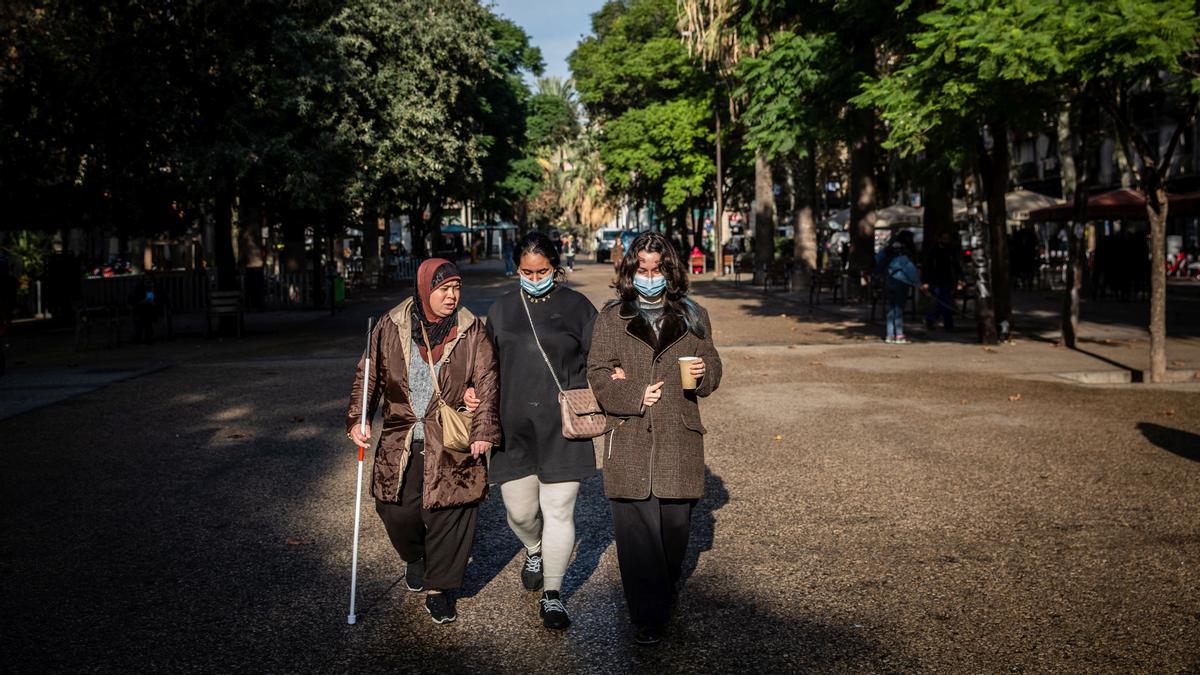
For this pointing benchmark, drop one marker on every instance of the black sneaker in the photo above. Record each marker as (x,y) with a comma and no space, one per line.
(414,575)
(553,611)
(647,635)
(441,607)
(531,573)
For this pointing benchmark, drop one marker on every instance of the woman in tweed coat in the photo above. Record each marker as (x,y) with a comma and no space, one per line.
(653,455)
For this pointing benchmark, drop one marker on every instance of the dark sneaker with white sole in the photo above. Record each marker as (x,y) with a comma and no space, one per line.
(531,573)
(414,575)
(440,607)
(553,611)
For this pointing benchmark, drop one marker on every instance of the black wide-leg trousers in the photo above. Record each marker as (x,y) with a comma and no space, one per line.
(443,537)
(652,537)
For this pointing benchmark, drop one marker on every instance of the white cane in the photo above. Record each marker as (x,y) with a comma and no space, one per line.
(362,429)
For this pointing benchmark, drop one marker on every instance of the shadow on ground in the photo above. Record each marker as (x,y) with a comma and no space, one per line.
(1175,441)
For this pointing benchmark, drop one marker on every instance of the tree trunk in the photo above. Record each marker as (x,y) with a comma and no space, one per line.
(370,247)
(764,216)
(938,200)
(293,245)
(418,229)
(1156,210)
(223,236)
(719,206)
(862,194)
(804,219)
(985,314)
(251,253)
(997,179)
(1074,154)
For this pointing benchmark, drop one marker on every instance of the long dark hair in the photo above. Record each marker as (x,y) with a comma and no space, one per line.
(540,244)
(670,266)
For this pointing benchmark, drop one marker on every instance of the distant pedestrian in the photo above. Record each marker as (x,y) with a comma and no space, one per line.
(654,454)
(145,306)
(941,276)
(426,494)
(506,252)
(542,331)
(571,248)
(899,279)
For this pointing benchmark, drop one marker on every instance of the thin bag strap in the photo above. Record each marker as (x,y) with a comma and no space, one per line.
(429,359)
(538,342)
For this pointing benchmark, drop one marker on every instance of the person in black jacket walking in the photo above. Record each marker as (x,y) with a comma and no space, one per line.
(942,275)
(538,469)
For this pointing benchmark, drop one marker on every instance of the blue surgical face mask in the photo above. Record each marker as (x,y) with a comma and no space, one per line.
(538,288)
(650,287)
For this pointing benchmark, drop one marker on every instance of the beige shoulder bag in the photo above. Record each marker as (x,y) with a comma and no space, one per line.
(456,424)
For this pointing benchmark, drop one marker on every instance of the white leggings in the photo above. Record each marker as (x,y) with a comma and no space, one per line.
(543,517)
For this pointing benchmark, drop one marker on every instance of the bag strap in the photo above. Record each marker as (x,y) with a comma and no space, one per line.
(538,342)
(429,359)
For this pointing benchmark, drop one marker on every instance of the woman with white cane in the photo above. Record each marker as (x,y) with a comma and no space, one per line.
(429,474)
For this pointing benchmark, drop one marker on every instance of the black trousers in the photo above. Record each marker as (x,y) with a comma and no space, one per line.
(443,537)
(652,537)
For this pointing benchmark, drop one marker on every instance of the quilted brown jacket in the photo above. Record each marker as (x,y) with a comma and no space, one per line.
(451,478)
(657,450)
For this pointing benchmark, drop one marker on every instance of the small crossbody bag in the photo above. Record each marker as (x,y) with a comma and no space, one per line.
(456,424)
(581,415)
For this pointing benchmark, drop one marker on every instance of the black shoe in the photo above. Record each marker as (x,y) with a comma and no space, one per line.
(647,635)
(414,576)
(441,607)
(553,611)
(531,573)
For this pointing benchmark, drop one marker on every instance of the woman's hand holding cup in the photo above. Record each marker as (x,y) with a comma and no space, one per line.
(691,369)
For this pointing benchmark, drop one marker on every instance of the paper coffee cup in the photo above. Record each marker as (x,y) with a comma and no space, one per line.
(685,374)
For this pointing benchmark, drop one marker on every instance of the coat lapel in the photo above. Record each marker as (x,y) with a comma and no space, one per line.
(672,331)
(636,326)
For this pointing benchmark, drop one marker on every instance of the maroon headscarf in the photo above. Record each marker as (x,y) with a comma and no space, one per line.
(431,274)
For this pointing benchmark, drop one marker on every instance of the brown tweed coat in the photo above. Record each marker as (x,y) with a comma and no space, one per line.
(451,478)
(657,450)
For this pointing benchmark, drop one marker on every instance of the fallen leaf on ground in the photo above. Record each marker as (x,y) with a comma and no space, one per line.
(1168,413)
(963,402)
(816,364)
(990,350)
(895,356)
(791,346)
(1015,397)
(778,437)
(297,541)
(1177,364)
(793,329)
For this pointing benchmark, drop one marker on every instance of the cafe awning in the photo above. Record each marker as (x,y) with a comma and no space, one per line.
(1123,204)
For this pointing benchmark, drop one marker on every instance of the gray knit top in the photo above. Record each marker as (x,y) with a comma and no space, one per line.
(420,388)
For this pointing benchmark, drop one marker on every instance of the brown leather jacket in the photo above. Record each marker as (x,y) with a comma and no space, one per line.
(451,478)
